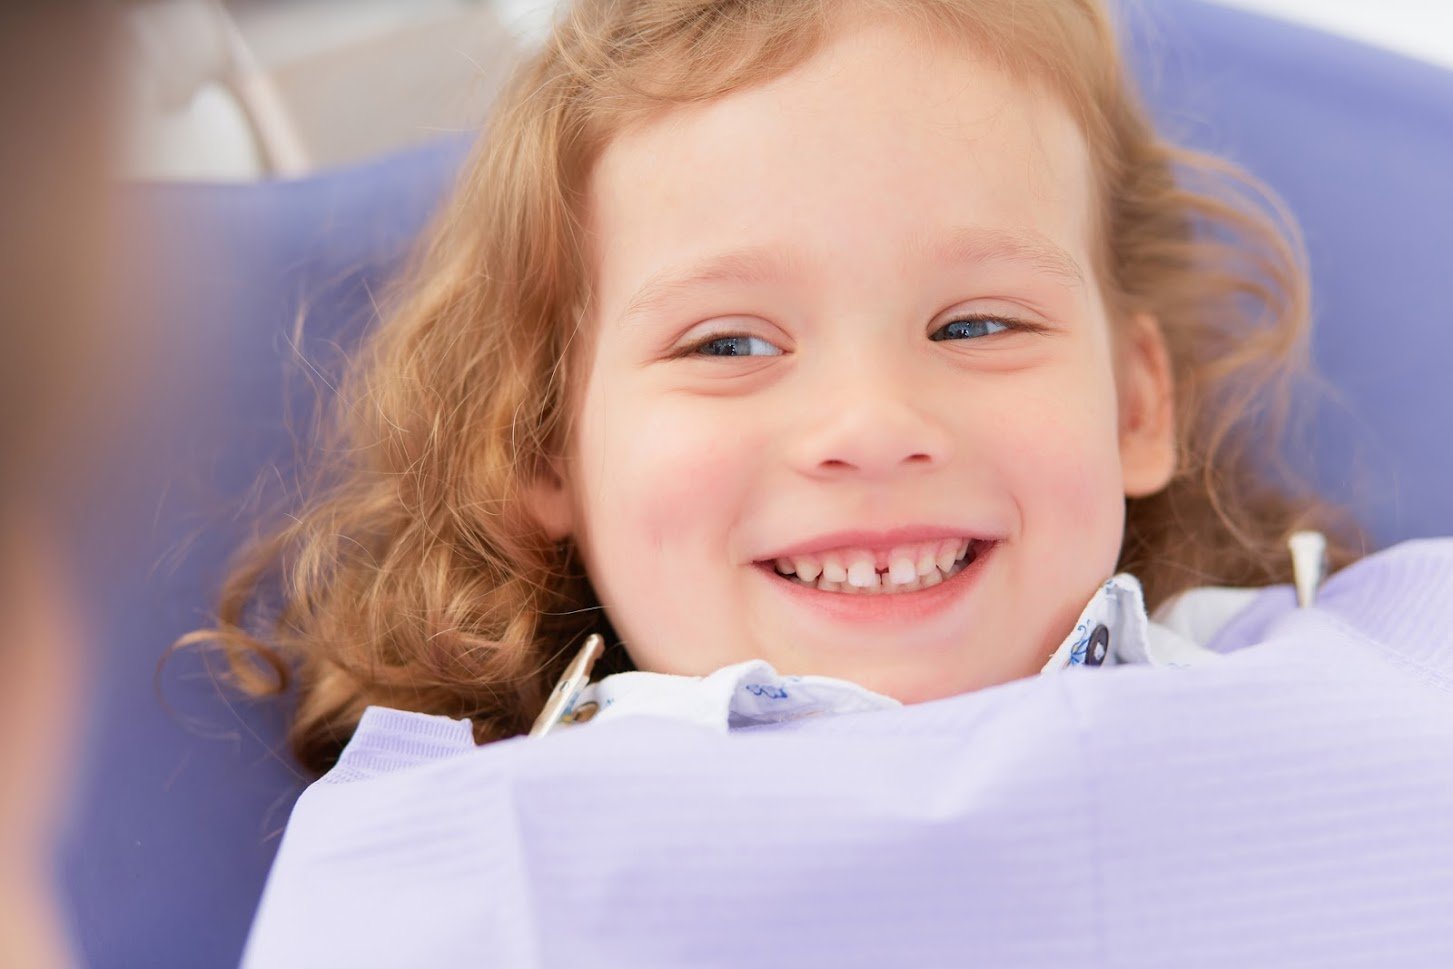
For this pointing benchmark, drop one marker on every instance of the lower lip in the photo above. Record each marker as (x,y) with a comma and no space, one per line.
(886,608)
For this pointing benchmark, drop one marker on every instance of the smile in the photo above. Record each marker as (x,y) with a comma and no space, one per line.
(861,572)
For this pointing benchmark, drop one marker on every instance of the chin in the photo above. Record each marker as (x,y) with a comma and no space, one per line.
(923,686)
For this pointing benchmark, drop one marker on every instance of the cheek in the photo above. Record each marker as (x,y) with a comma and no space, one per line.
(1061,452)
(656,479)
(663,487)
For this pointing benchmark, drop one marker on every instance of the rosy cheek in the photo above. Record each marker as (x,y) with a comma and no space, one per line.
(657,519)
(673,472)
(1066,463)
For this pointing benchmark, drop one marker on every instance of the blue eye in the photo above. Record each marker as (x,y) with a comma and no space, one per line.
(736,346)
(972,327)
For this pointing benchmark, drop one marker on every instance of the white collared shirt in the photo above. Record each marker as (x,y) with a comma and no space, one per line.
(1113,629)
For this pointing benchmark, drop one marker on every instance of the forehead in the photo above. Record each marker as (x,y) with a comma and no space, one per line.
(880,148)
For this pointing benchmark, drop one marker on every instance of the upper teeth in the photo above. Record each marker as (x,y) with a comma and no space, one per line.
(902,569)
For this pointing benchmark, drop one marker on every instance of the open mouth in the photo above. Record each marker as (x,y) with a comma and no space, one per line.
(902,570)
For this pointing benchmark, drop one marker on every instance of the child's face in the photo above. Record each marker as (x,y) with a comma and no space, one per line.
(837,222)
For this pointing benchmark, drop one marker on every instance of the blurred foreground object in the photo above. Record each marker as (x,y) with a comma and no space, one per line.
(55,72)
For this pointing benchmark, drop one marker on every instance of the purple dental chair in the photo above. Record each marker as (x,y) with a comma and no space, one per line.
(182,789)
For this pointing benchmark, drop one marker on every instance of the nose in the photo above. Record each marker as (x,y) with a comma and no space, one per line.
(874,426)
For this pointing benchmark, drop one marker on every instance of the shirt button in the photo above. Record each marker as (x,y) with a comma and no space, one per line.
(583,713)
(1099,646)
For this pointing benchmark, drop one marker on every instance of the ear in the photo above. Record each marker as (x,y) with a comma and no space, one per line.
(549,501)
(1146,389)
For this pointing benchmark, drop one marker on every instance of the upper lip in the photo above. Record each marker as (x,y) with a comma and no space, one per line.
(873,541)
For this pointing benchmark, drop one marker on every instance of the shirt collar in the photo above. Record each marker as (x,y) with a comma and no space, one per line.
(1112,629)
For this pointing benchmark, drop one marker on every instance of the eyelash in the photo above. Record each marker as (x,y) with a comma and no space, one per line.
(695,349)
(1011,325)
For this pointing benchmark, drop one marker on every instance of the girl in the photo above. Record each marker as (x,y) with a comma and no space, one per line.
(636,369)
(822,357)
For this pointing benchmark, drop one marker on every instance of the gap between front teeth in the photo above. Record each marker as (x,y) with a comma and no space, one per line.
(933,563)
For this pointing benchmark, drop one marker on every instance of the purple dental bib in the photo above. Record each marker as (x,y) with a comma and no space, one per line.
(1291,804)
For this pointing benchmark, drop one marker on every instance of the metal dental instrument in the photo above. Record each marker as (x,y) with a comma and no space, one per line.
(568,687)
(1309,564)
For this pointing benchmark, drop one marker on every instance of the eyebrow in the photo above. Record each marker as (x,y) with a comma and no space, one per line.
(754,265)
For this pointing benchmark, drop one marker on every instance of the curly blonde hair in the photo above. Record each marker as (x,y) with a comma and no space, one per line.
(414,576)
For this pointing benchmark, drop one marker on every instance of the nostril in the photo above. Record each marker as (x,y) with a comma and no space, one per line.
(835,466)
